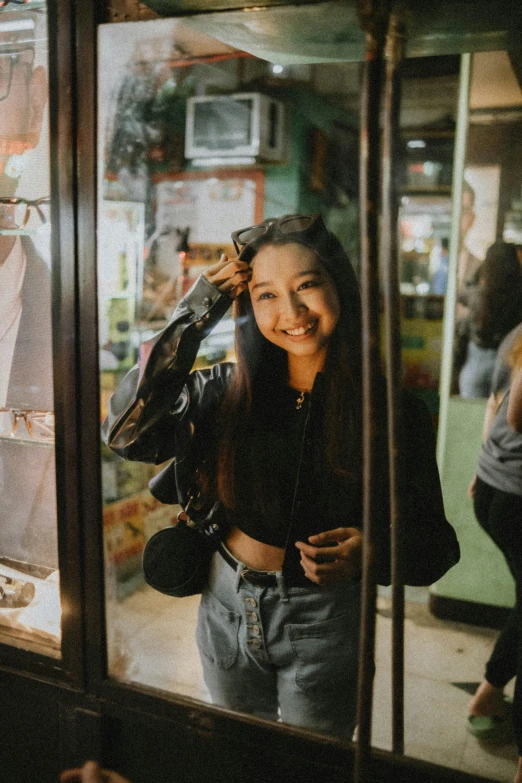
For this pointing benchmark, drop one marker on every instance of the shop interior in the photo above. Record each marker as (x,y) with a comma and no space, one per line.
(201,130)
(177,189)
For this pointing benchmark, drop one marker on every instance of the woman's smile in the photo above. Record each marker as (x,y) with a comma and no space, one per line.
(302,332)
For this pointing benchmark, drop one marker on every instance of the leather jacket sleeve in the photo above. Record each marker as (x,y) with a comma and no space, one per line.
(156,405)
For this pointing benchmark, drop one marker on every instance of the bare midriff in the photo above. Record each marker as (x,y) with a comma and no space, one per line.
(255,554)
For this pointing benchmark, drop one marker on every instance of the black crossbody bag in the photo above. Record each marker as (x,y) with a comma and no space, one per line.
(176,560)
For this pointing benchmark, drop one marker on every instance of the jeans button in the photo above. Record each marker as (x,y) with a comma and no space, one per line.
(256,643)
(251,602)
(256,629)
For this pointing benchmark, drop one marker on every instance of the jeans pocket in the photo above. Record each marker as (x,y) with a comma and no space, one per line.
(217,631)
(326,652)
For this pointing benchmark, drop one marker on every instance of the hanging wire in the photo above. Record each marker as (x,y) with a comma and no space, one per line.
(373,17)
(394,54)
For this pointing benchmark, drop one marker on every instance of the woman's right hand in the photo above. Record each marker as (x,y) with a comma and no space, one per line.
(230,277)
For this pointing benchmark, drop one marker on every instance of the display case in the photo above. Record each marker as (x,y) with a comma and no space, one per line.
(30,609)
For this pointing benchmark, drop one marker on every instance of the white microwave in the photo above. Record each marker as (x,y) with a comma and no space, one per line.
(244,124)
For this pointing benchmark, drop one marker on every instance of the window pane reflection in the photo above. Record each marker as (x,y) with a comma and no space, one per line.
(29,585)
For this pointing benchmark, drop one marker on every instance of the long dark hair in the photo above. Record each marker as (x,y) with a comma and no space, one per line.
(500,303)
(260,362)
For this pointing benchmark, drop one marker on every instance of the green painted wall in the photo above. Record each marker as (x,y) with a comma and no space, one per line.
(481,576)
(286,185)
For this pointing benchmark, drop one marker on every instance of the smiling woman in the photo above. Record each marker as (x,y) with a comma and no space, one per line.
(295,306)
(274,441)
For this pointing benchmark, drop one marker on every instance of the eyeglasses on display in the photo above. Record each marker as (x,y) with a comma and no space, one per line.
(288,225)
(9,59)
(22,215)
(39,425)
(15,594)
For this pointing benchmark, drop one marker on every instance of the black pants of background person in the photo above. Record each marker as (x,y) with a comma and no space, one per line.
(500,515)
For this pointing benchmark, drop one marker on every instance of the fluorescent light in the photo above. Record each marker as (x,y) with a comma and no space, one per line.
(415,144)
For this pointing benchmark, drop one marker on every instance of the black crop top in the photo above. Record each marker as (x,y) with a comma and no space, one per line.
(279,449)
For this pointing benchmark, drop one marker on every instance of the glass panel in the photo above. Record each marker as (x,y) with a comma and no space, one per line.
(489,300)
(29,584)
(197,139)
(474,438)
(169,199)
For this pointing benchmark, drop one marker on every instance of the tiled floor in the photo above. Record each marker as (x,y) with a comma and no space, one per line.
(442,659)
(151,640)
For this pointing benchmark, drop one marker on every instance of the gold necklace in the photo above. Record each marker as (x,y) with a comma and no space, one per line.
(299,401)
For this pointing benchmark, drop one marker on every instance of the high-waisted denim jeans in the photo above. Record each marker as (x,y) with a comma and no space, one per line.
(281,654)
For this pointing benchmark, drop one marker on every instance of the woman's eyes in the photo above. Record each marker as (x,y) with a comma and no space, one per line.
(309,284)
(302,286)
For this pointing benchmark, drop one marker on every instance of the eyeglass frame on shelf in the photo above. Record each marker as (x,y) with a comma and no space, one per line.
(22,413)
(14,201)
(15,55)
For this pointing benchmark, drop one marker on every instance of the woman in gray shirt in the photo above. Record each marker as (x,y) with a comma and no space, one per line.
(497,498)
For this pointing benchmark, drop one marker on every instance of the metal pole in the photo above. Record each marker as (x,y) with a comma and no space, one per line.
(373,17)
(394,54)
(459,159)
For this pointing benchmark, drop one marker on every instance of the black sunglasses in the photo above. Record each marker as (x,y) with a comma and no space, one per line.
(291,225)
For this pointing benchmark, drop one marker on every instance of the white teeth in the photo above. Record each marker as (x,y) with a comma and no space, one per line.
(301,330)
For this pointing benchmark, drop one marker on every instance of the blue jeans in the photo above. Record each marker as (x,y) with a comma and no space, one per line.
(477,372)
(281,654)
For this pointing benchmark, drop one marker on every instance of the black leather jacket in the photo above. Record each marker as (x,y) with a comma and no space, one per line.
(163,411)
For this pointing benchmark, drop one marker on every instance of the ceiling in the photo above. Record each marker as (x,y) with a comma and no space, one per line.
(489,70)
(299,33)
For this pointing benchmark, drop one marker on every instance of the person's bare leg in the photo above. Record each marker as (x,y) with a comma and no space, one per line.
(518,776)
(488,700)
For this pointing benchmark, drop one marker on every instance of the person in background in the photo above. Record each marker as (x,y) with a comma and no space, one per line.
(439,282)
(276,438)
(468,264)
(497,498)
(495,307)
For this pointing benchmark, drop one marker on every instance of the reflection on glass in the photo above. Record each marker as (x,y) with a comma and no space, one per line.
(29,596)
(476,441)
(424,222)
(163,218)
(489,273)
(493,305)
(167,210)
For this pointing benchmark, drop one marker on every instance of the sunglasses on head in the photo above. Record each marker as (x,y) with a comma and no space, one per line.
(289,225)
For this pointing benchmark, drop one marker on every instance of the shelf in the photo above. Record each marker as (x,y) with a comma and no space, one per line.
(28,441)
(440,190)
